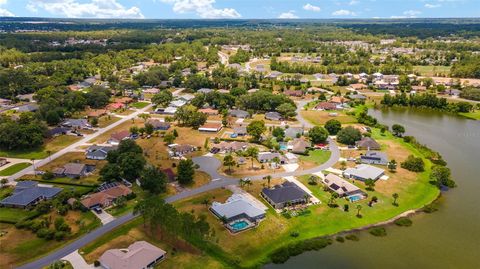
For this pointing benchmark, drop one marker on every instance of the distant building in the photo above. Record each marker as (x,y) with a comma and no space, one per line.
(237,113)
(273,116)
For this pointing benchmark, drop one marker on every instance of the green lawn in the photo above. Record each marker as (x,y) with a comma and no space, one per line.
(12,215)
(52,145)
(431,70)
(139,105)
(14,169)
(317,156)
(472,115)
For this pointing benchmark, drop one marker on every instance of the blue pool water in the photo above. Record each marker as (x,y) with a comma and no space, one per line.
(283,146)
(354,198)
(238,225)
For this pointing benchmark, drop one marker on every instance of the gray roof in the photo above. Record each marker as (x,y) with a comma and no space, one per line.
(75,123)
(267,156)
(340,185)
(285,192)
(235,206)
(205,90)
(293,131)
(357,96)
(99,151)
(27,192)
(367,143)
(240,129)
(28,108)
(365,171)
(375,155)
(273,115)
(238,113)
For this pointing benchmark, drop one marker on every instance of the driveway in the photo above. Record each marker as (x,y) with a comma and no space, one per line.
(300,105)
(104,217)
(77,261)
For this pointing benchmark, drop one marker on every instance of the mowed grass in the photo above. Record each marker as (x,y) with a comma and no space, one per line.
(14,169)
(472,115)
(12,215)
(51,145)
(431,70)
(321,117)
(139,105)
(252,247)
(317,156)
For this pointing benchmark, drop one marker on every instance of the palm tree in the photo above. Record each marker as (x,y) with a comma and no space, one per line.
(241,183)
(229,161)
(312,180)
(268,178)
(307,198)
(49,153)
(359,207)
(252,152)
(395,197)
(33,165)
(248,182)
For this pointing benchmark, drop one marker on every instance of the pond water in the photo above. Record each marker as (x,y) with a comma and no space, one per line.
(448,238)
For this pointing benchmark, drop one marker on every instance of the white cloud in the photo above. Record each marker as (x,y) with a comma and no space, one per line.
(412,13)
(344,12)
(432,5)
(91,9)
(288,15)
(311,7)
(203,8)
(4,12)
(353,2)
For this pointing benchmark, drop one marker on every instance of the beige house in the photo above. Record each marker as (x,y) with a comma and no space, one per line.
(139,255)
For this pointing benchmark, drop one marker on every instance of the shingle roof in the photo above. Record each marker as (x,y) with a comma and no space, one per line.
(365,171)
(235,206)
(285,192)
(139,255)
(339,185)
(368,143)
(27,192)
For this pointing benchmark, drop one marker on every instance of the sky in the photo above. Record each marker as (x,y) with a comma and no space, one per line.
(240,9)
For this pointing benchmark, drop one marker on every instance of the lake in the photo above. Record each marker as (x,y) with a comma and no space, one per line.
(448,238)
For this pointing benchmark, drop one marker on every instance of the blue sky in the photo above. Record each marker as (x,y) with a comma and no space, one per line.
(247,9)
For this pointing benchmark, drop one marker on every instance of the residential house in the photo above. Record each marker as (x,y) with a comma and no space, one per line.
(168,110)
(291,158)
(367,143)
(176,150)
(171,176)
(357,97)
(117,137)
(177,103)
(74,170)
(240,130)
(294,132)
(205,90)
(124,100)
(151,91)
(28,193)
(158,124)
(284,195)
(267,157)
(374,157)
(274,74)
(186,97)
(139,255)
(98,152)
(363,172)
(105,197)
(115,106)
(338,100)
(237,113)
(76,124)
(227,147)
(237,207)
(211,127)
(298,145)
(272,115)
(326,106)
(342,187)
(57,131)
(31,107)
(209,111)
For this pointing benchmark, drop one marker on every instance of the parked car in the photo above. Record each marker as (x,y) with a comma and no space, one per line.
(233,135)
(97,210)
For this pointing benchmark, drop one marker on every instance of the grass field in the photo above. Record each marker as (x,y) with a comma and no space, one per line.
(52,145)
(317,156)
(14,169)
(320,117)
(472,115)
(139,105)
(12,215)
(431,70)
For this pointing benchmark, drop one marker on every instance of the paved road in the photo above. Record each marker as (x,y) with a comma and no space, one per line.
(72,147)
(300,105)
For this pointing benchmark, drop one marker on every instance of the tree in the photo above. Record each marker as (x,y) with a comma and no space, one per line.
(370,183)
(278,133)
(333,198)
(287,110)
(333,126)
(395,197)
(252,152)
(268,179)
(94,121)
(133,130)
(256,128)
(349,135)
(169,138)
(229,161)
(318,134)
(441,175)
(398,130)
(188,115)
(313,180)
(206,202)
(149,129)
(392,166)
(359,207)
(130,165)
(414,164)
(153,180)
(185,172)
(162,98)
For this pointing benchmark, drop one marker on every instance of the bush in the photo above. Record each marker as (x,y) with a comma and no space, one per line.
(59,236)
(294,234)
(349,135)
(403,221)
(48,175)
(282,254)
(96,263)
(378,231)
(340,239)
(352,237)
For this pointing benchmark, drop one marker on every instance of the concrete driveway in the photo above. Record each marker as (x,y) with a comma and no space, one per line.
(77,261)
(104,217)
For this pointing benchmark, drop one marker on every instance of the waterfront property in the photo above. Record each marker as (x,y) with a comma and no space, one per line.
(284,195)
(139,255)
(343,188)
(368,143)
(28,193)
(238,213)
(374,157)
(363,172)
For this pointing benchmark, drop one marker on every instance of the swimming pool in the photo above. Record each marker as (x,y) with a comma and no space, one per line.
(283,146)
(355,198)
(239,225)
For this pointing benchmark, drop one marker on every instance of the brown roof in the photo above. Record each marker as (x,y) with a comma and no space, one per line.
(326,106)
(98,198)
(97,112)
(212,125)
(117,191)
(297,93)
(158,123)
(358,86)
(209,111)
(119,136)
(337,99)
(368,143)
(300,145)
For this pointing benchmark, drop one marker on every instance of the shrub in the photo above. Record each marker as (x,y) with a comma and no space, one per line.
(282,254)
(378,231)
(294,234)
(59,236)
(414,164)
(96,263)
(48,175)
(352,237)
(403,221)
(340,239)
(349,135)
